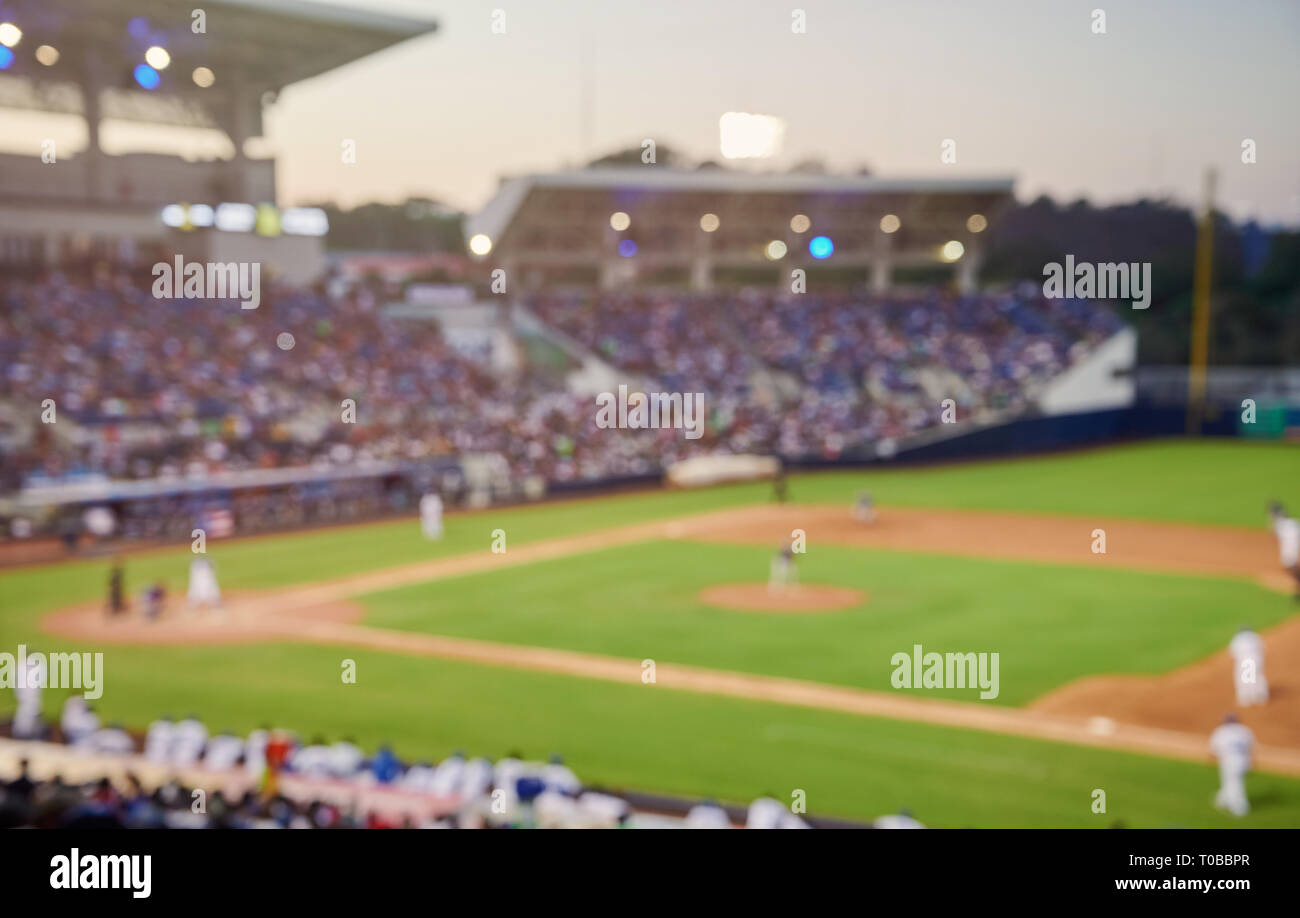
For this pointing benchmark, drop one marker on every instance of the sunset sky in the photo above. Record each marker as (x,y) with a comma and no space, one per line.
(1024,87)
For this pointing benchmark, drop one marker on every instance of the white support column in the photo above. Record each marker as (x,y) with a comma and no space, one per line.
(702,273)
(702,262)
(91,86)
(882,268)
(240,125)
(968,271)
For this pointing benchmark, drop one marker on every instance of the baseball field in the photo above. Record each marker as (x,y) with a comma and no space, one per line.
(636,636)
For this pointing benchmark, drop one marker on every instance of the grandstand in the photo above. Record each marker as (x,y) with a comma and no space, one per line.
(184,412)
(58,207)
(658,225)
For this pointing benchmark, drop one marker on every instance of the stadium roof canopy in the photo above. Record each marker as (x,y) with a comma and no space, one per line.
(631,182)
(260,45)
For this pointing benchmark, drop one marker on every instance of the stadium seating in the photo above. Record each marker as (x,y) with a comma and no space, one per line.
(180,388)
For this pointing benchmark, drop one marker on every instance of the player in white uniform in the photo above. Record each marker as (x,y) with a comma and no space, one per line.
(203,585)
(783,572)
(707,815)
(158,741)
(189,737)
(1247,649)
(903,819)
(78,721)
(769,813)
(864,510)
(559,777)
(1287,530)
(223,752)
(475,778)
(431,516)
(447,776)
(28,688)
(255,751)
(1232,744)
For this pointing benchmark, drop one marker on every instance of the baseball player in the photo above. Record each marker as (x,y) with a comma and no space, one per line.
(707,815)
(431,516)
(203,588)
(188,740)
(116,590)
(1287,530)
(1232,744)
(28,687)
(1247,649)
(769,813)
(158,740)
(780,487)
(223,752)
(903,819)
(78,721)
(783,572)
(864,511)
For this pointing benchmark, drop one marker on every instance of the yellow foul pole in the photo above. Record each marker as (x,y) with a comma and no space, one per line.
(1201,310)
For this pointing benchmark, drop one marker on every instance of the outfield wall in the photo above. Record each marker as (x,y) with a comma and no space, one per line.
(1041,434)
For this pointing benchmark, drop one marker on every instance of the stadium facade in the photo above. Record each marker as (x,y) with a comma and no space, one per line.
(217,72)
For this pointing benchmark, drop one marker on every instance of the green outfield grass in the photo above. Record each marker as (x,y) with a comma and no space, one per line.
(1224,482)
(1049,623)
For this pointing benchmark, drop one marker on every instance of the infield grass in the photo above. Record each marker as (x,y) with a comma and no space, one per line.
(1050,624)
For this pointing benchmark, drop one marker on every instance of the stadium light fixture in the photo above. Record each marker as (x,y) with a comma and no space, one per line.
(953,250)
(47,55)
(174,215)
(820,247)
(146,77)
(157,57)
(480,244)
(267,221)
(305,221)
(800,223)
(748,136)
(890,223)
(710,223)
(10,34)
(775,250)
(976,223)
(6,57)
(236,218)
(626,248)
(619,221)
(203,77)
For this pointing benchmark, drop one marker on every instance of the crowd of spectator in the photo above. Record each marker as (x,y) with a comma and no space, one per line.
(168,388)
(858,367)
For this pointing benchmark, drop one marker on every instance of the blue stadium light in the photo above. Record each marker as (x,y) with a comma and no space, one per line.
(627,248)
(6,57)
(146,76)
(820,247)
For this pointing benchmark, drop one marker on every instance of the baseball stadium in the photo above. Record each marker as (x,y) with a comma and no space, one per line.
(678,495)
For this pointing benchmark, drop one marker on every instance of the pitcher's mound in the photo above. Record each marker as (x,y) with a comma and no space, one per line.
(758,597)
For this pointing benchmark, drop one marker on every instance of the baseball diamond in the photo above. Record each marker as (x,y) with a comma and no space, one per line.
(588,589)
(428,414)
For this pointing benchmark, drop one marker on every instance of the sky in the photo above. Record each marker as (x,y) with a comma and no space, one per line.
(1024,87)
